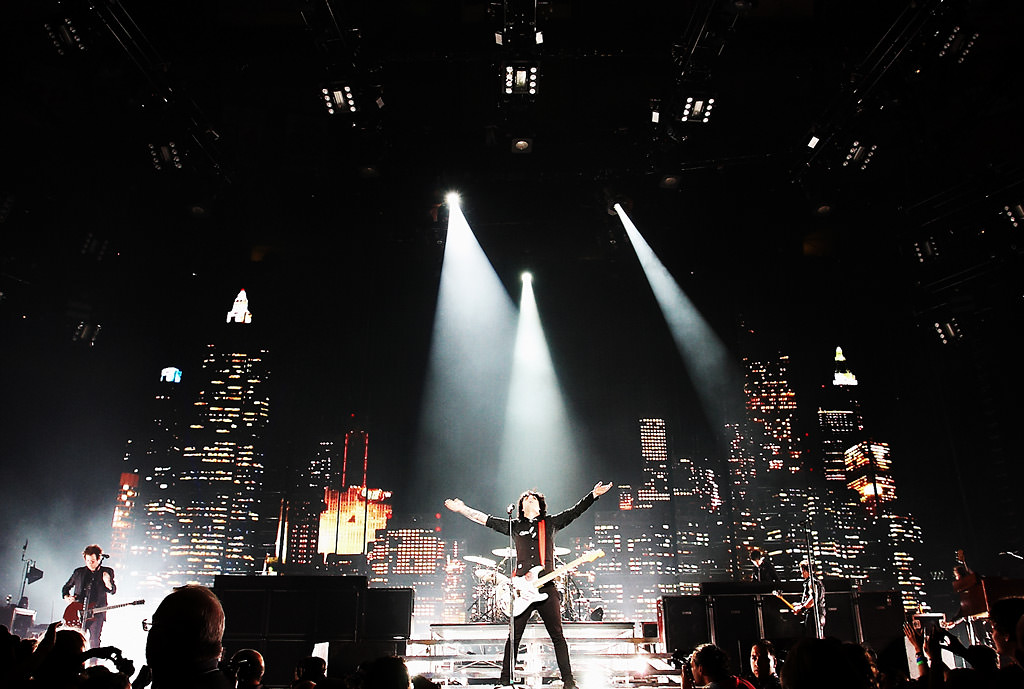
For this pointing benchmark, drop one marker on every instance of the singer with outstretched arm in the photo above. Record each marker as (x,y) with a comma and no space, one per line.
(91,584)
(533,532)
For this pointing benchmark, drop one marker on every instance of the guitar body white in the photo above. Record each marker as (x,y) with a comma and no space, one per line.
(525,593)
(525,589)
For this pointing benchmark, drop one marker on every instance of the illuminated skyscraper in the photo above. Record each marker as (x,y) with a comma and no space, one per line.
(412,554)
(654,451)
(868,475)
(863,533)
(352,518)
(770,495)
(218,489)
(145,523)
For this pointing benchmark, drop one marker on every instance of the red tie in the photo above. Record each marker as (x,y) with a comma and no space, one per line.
(542,538)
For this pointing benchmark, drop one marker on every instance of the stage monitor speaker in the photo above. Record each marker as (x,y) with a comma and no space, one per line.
(736,626)
(387,613)
(684,622)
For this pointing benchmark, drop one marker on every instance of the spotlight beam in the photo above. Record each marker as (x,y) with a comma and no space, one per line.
(715,379)
(466,387)
(538,448)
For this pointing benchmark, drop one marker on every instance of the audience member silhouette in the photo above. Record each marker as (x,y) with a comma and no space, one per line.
(763,666)
(709,665)
(248,667)
(184,642)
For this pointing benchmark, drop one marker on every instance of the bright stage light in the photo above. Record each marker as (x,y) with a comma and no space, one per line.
(452,198)
(527,277)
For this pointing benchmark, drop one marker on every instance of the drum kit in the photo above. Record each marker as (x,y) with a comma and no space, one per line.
(491,589)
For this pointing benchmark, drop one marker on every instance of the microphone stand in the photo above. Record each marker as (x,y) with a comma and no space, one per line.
(811,581)
(513,647)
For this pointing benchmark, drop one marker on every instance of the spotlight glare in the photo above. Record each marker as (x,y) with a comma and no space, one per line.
(527,278)
(452,198)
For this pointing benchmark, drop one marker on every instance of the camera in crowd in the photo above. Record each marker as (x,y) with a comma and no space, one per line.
(123,665)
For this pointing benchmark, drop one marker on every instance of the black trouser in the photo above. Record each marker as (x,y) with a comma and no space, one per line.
(94,628)
(550,610)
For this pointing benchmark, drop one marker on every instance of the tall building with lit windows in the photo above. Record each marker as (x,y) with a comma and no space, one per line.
(411,553)
(770,495)
(145,515)
(218,489)
(654,451)
(639,537)
(863,533)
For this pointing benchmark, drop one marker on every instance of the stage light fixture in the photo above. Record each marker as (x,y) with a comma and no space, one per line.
(339,98)
(814,141)
(860,155)
(521,79)
(949,331)
(522,145)
(452,198)
(165,156)
(527,278)
(64,36)
(697,109)
(670,181)
(1015,214)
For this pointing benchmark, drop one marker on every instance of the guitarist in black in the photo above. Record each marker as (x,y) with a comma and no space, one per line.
(91,584)
(534,537)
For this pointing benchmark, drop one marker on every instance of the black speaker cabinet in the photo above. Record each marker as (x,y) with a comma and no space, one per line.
(683,621)
(881,620)
(840,620)
(387,614)
(736,627)
(344,657)
(309,608)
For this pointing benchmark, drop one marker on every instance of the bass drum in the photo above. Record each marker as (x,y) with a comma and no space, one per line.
(502,603)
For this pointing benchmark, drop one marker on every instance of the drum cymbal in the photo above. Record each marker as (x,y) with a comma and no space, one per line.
(504,552)
(490,576)
(561,551)
(478,560)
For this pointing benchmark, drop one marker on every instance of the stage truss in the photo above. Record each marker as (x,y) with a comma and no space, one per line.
(604,654)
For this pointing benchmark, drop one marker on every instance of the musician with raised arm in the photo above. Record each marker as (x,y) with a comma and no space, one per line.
(533,532)
(91,584)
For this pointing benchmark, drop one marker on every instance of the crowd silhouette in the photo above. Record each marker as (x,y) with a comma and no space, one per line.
(184,650)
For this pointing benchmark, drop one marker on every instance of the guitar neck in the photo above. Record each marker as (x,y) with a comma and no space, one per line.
(114,607)
(562,570)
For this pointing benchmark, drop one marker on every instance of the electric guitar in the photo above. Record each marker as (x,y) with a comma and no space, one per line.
(778,594)
(76,613)
(525,588)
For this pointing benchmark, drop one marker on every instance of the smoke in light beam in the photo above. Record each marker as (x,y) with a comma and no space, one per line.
(538,449)
(716,380)
(468,371)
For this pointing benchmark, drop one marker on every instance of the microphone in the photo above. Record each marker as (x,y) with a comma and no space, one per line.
(511,508)
(104,556)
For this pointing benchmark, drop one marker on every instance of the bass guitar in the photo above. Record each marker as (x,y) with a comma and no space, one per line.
(778,594)
(76,614)
(525,588)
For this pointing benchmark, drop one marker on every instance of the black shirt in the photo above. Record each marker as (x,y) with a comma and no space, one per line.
(89,587)
(526,535)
